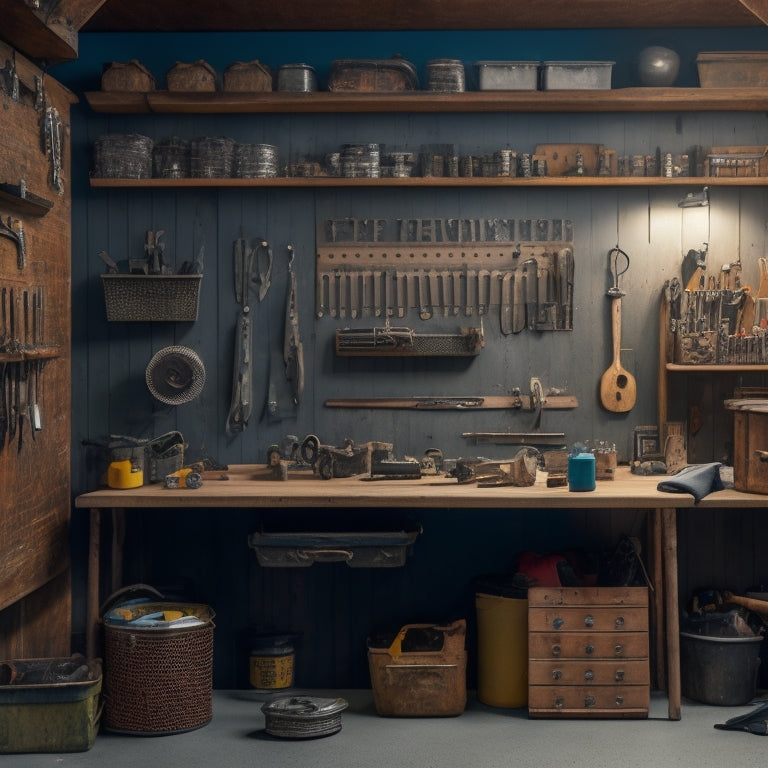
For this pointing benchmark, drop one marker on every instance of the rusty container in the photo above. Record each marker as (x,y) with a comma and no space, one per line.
(750,444)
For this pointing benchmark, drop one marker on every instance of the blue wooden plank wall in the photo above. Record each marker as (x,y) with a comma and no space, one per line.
(335,607)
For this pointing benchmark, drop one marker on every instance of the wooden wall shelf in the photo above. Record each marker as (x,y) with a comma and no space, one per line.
(609,100)
(439,181)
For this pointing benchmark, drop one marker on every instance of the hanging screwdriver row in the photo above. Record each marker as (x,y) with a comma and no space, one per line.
(23,355)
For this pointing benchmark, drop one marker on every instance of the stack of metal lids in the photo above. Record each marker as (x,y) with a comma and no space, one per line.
(303,717)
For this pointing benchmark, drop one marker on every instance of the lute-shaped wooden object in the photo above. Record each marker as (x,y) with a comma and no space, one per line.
(618,389)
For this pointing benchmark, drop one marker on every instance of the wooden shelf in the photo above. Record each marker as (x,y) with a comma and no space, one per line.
(609,100)
(27,203)
(438,181)
(678,368)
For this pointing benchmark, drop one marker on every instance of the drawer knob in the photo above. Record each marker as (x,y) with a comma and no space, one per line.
(619,649)
(558,622)
(619,621)
(589,621)
(619,676)
(555,650)
(619,701)
(589,675)
(559,702)
(556,674)
(589,649)
(589,701)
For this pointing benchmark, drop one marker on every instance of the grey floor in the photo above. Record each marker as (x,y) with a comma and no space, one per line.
(482,737)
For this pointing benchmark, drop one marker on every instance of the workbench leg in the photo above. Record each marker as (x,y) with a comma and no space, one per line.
(660,654)
(669,536)
(92,587)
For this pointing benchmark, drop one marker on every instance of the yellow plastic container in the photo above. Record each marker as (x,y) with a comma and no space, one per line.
(502,650)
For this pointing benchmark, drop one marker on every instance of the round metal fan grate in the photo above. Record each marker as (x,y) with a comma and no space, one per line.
(175,375)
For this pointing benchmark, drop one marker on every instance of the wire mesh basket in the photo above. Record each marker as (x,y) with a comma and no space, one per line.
(151,298)
(211,157)
(170,159)
(122,156)
(256,161)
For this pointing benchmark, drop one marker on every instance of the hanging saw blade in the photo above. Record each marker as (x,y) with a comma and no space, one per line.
(242,382)
(293,350)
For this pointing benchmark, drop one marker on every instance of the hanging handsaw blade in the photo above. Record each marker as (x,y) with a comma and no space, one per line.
(242,379)
(293,350)
(243,264)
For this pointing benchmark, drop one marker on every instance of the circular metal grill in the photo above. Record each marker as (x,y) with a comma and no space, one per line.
(175,375)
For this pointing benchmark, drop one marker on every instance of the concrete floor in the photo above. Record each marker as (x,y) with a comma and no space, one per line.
(482,736)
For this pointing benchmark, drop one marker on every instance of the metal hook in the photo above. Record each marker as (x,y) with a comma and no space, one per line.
(614,253)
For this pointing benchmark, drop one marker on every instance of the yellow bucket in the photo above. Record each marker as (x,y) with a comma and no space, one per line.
(502,650)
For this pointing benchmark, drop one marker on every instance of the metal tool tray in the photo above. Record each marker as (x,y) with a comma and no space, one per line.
(387,549)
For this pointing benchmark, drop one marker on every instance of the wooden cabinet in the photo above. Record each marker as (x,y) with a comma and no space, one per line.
(588,652)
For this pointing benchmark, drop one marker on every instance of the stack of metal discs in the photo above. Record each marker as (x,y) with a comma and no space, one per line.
(211,158)
(256,161)
(446,76)
(359,161)
(170,159)
(303,717)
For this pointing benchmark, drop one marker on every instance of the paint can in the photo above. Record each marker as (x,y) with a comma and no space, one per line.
(271,662)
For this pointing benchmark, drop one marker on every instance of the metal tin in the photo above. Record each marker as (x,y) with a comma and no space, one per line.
(297,78)
(446,76)
(303,717)
(256,161)
(507,75)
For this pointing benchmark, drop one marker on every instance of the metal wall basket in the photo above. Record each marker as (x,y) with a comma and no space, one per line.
(151,298)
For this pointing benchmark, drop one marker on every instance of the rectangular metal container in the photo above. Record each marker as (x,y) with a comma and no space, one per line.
(507,75)
(37,715)
(733,69)
(576,75)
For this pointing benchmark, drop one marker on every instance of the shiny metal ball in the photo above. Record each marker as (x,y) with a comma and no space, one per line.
(658,66)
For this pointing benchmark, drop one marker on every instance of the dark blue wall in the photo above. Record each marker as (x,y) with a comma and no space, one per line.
(335,607)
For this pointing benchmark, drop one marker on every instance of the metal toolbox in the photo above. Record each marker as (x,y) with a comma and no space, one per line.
(575,75)
(49,704)
(356,549)
(368,75)
(507,75)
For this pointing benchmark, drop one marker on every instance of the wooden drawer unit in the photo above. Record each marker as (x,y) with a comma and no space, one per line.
(588,652)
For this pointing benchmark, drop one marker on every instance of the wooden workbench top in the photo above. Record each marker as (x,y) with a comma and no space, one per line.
(247,486)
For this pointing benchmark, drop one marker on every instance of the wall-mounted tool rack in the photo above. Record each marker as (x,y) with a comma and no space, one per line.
(448,267)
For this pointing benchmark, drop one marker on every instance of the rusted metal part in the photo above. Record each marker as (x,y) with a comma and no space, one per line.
(401,341)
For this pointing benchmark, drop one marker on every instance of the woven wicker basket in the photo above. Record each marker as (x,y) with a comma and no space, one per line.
(247,77)
(197,76)
(129,76)
(151,298)
(158,680)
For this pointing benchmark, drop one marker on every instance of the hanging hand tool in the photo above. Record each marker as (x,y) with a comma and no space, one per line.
(618,390)
(263,259)
(506,308)
(530,280)
(293,349)
(242,399)
(17,235)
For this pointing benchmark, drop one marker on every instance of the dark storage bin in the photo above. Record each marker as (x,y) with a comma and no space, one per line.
(719,670)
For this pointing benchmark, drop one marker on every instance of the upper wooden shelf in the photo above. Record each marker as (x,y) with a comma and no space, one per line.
(250,15)
(609,100)
(441,181)
(729,368)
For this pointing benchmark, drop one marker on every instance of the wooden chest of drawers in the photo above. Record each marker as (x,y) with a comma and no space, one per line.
(588,652)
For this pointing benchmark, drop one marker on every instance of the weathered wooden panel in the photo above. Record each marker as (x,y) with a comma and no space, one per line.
(34,469)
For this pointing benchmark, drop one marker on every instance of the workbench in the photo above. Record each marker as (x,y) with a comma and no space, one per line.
(248,486)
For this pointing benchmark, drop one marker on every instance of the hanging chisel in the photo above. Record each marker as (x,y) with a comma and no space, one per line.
(425,308)
(518,301)
(531,292)
(506,308)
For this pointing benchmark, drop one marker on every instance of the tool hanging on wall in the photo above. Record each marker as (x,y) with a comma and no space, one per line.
(23,355)
(241,403)
(13,229)
(522,268)
(618,389)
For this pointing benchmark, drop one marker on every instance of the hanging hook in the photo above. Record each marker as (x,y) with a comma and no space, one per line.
(613,261)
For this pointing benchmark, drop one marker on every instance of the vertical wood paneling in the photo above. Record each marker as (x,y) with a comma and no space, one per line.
(336,607)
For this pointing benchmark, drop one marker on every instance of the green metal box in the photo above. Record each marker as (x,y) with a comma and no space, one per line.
(49,705)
